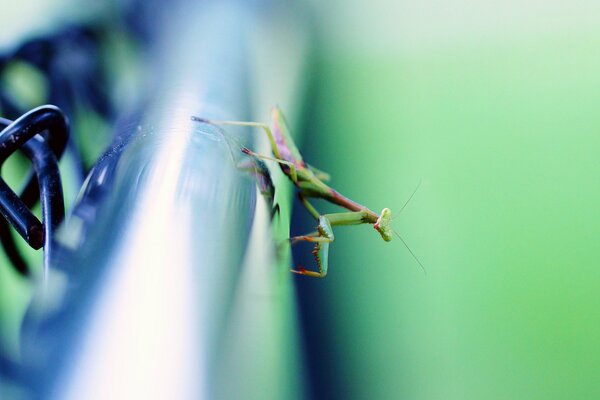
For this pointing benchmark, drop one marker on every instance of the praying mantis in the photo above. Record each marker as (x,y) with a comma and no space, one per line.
(310,182)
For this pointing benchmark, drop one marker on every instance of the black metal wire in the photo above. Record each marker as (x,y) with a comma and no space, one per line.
(76,76)
(20,217)
(40,120)
(42,134)
(70,60)
(11,250)
(45,165)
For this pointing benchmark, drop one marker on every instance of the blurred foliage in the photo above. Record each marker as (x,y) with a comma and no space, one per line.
(24,84)
(494,108)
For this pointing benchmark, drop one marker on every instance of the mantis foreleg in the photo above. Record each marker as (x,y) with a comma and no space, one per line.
(323,236)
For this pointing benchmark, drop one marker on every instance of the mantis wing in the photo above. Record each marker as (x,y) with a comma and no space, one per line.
(321,175)
(285,143)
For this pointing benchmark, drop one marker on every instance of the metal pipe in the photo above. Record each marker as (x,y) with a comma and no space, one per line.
(173,284)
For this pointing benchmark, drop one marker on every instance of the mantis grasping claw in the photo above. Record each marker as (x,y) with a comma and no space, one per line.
(310,183)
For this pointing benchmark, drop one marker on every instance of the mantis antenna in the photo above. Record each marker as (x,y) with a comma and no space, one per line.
(411,196)
(400,237)
(411,252)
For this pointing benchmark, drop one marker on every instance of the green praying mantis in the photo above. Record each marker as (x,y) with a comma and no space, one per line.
(310,182)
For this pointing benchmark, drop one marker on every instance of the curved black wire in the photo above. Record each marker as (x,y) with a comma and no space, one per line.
(45,165)
(42,134)
(11,250)
(71,61)
(41,120)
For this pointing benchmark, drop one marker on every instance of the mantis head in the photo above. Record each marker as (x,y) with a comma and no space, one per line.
(383,224)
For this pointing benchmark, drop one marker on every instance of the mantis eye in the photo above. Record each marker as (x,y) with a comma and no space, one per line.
(383,224)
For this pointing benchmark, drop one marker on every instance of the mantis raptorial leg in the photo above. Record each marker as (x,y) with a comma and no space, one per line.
(323,236)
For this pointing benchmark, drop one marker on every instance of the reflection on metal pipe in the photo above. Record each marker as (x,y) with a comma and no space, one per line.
(168,284)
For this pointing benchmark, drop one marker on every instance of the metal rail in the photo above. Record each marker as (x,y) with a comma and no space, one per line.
(168,284)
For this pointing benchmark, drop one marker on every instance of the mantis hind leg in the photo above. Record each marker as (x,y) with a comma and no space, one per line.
(309,207)
(265,128)
(291,166)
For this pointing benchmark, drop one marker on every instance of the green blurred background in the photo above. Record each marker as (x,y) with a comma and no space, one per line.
(494,105)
